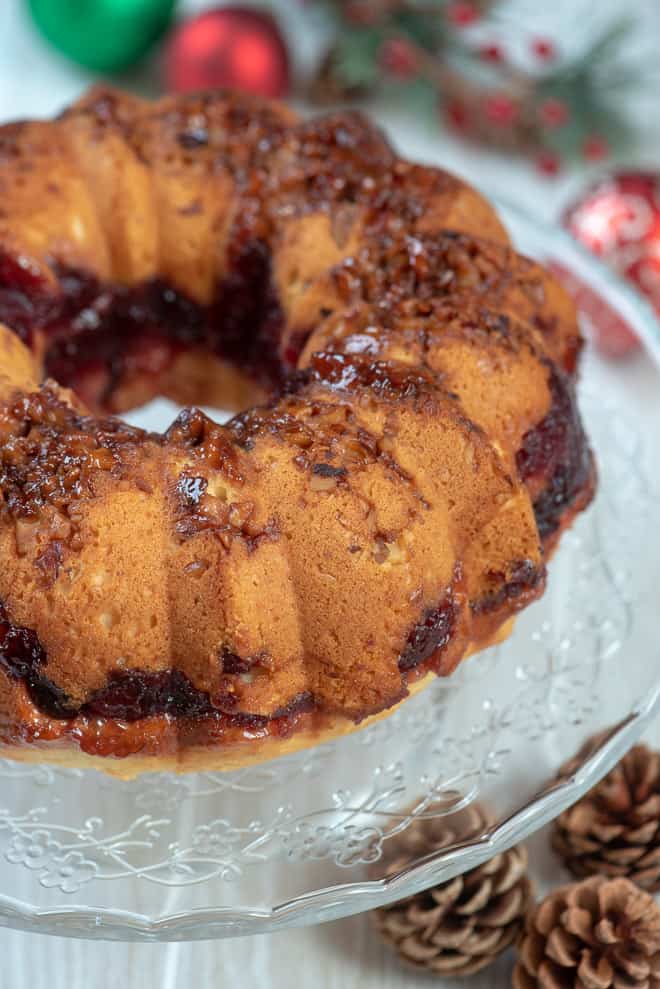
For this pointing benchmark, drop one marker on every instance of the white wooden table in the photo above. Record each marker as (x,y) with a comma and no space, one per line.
(346,954)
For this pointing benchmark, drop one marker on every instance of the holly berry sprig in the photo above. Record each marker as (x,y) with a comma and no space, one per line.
(553,108)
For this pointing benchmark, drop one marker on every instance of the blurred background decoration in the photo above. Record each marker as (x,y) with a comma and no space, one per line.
(234,47)
(489,78)
(103,35)
(480,68)
(492,88)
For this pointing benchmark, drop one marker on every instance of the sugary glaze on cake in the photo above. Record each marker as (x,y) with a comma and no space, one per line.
(215,595)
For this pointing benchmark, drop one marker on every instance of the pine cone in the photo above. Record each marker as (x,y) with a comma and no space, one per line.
(460,926)
(591,935)
(614,830)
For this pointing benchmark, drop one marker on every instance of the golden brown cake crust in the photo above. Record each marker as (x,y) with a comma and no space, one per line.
(216,595)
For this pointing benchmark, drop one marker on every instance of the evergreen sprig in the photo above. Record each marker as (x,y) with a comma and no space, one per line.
(418,51)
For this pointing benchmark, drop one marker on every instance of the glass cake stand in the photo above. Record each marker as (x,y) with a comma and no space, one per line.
(305,838)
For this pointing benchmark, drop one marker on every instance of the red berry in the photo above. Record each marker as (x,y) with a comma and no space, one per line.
(553,113)
(500,108)
(457,115)
(361,12)
(594,148)
(491,53)
(398,57)
(461,13)
(548,163)
(544,49)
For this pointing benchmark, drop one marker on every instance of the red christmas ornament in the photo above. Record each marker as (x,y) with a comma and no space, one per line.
(619,220)
(399,58)
(229,47)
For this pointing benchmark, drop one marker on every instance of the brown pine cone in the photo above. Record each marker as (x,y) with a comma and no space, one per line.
(614,830)
(460,926)
(591,935)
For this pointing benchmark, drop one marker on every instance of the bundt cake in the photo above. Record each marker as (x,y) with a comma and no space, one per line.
(217,595)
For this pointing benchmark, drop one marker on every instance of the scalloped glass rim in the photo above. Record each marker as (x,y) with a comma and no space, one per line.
(334,901)
(348,898)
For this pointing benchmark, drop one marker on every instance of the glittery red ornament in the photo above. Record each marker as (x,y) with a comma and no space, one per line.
(618,219)
(229,47)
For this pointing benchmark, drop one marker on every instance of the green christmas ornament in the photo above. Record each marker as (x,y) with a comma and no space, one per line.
(103,35)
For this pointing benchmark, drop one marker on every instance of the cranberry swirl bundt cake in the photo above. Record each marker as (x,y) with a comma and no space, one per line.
(217,595)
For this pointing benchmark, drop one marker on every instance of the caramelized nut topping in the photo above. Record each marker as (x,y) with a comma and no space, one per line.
(50,455)
(206,441)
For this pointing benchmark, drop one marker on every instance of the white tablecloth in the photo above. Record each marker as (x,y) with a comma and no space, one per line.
(36,81)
